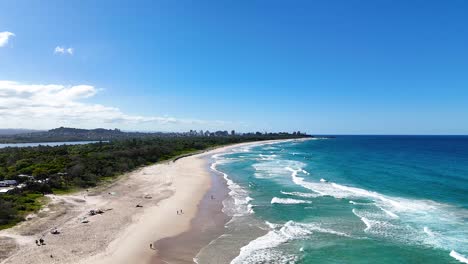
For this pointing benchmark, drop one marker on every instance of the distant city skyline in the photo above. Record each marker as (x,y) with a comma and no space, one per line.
(328,67)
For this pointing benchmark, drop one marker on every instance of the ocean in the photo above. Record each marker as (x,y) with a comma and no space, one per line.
(349,199)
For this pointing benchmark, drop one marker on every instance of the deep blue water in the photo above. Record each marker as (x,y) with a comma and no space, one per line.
(351,199)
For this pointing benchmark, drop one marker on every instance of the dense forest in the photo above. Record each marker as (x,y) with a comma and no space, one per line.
(44,169)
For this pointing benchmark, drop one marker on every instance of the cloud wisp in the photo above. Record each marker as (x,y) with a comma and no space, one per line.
(63,50)
(5,37)
(50,105)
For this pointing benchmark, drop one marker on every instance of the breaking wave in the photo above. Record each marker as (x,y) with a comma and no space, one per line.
(277,200)
(397,218)
(301,194)
(261,250)
(458,256)
(241,199)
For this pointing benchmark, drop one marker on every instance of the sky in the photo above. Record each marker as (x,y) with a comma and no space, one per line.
(323,67)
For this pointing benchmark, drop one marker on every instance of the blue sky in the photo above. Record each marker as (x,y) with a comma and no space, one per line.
(325,67)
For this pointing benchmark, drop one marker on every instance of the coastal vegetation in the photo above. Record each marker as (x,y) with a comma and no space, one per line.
(100,134)
(44,169)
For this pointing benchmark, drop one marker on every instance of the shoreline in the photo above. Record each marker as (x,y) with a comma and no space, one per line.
(124,232)
(209,222)
(206,225)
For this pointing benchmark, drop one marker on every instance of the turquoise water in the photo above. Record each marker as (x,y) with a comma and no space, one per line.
(351,199)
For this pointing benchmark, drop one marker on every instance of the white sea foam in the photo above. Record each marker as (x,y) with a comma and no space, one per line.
(341,191)
(265,145)
(428,231)
(243,149)
(301,194)
(277,200)
(363,219)
(458,256)
(271,225)
(250,209)
(274,168)
(270,148)
(357,203)
(399,218)
(241,204)
(375,224)
(268,255)
(389,213)
(300,181)
(410,215)
(367,222)
(392,206)
(397,204)
(257,251)
(267,157)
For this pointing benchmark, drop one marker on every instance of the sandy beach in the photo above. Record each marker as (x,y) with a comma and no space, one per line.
(123,232)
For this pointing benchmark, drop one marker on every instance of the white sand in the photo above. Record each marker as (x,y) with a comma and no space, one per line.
(124,233)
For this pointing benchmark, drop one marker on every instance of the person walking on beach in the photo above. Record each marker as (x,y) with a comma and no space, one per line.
(177,211)
(151,246)
(181,211)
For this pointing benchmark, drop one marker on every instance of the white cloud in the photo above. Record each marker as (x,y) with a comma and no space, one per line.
(4,37)
(63,50)
(59,49)
(45,106)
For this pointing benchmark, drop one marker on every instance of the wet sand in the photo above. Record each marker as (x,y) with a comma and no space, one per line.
(207,225)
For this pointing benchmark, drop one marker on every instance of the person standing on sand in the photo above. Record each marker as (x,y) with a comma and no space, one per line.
(181,211)
(177,211)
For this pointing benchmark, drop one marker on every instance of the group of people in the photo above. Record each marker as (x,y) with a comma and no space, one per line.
(40,242)
(179,212)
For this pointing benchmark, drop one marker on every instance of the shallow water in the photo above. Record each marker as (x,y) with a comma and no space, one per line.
(352,199)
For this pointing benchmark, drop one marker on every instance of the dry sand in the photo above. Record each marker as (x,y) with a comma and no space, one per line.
(124,232)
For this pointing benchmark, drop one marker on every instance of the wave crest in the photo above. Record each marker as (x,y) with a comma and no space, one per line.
(277,200)
(259,250)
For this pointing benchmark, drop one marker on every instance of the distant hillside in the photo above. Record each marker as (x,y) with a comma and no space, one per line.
(16,131)
(67,134)
(66,131)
